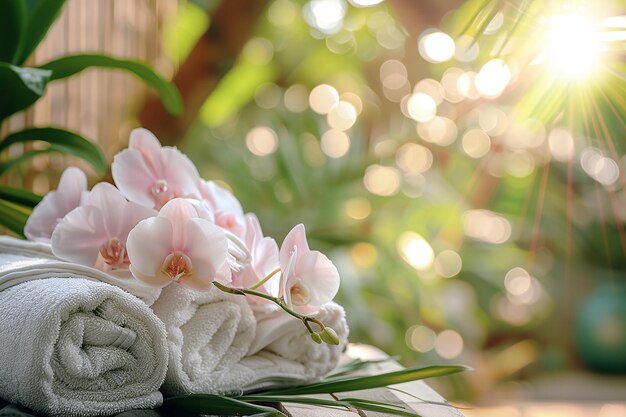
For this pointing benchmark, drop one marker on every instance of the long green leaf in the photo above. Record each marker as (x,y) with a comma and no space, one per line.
(19,196)
(218,405)
(60,140)
(357,383)
(73,64)
(41,14)
(13,217)
(21,87)
(12,23)
(9,164)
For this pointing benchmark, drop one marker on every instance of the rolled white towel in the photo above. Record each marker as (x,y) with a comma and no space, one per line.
(22,260)
(75,347)
(208,333)
(283,352)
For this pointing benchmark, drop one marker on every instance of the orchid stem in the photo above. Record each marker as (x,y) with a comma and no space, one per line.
(278,301)
(264,280)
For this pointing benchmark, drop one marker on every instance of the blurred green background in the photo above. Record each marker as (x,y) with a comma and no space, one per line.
(462,163)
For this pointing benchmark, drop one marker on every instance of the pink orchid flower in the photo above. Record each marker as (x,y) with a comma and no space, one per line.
(95,233)
(263,260)
(151,175)
(309,279)
(178,246)
(56,204)
(227,209)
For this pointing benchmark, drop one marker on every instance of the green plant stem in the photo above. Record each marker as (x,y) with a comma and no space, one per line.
(278,301)
(264,280)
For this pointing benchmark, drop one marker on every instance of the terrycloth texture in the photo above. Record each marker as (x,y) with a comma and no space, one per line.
(74,347)
(284,340)
(208,333)
(22,261)
(213,348)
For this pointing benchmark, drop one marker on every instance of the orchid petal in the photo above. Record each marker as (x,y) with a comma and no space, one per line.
(147,144)
(295,238)
(158,280)
(207,247)
(320,275)
(56,204)
(146,167)
(220,198)
(79,235)
(148,245)
(133,176)
(179,212)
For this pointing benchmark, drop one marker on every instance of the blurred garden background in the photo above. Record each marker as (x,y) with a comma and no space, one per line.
(462,162)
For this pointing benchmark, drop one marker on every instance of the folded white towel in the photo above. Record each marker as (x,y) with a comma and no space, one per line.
(284,342)
(76,347)
(208,333)
(22,261)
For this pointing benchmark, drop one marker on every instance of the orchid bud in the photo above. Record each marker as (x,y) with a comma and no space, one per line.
(316,338)
(329,336)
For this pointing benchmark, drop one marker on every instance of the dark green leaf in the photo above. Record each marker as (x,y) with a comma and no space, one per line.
(40,15)
(60,141)
(218,405)
(19,196)
(371,381)
(73,64)
(21,87)
(12,23)
(13,217)
(8,164)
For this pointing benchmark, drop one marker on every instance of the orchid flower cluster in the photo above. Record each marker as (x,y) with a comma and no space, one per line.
(164,225)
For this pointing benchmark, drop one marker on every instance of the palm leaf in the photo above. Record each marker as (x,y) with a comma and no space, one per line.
(72,64)
(357,383)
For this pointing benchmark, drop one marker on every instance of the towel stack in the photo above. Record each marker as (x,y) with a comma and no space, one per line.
(76,341)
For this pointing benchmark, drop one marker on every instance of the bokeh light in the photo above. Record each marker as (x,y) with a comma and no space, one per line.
(382,180)
(448,263)
(421,338)
(335,143)
(342,115)
(493,78)
(486,225)
(436,47)
(449,344)
(416,251)
(476,143)
(323,98)
(262,141)
(422,107)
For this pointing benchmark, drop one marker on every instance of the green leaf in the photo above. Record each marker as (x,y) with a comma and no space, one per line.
(72,64)
(13,217)
(357,383)
(12,23)
(41,14)
(355,365)
(21,87)
(60,140)
(218,405)
(19,196)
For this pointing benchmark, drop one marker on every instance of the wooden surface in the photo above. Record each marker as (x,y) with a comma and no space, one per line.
(414,398)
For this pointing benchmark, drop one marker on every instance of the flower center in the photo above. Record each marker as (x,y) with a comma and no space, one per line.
(114,253)
(161,193)
(300,294)
(177,265)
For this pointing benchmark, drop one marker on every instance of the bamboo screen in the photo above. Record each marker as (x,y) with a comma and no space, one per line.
(99,104)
